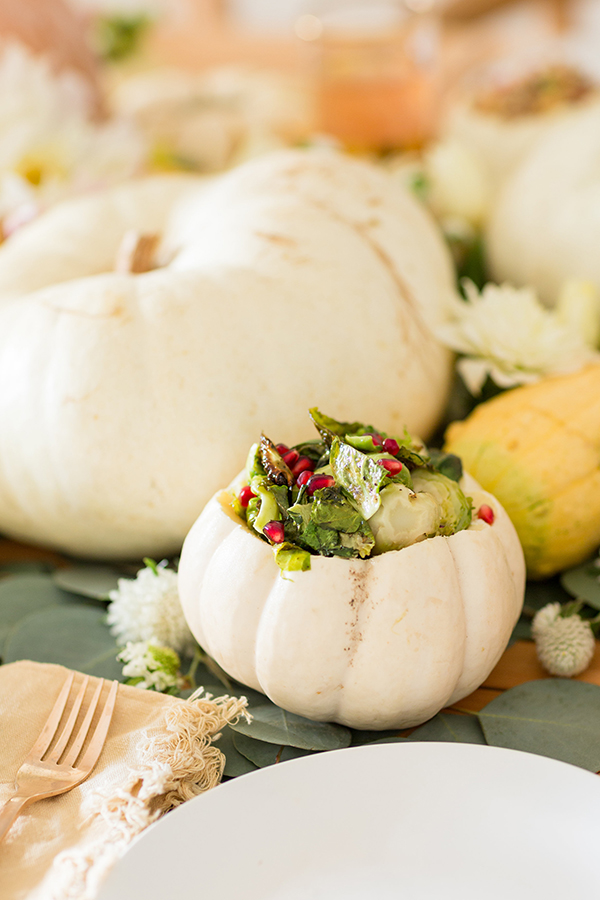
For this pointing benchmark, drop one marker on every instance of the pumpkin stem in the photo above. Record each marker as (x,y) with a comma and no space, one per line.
(137,253)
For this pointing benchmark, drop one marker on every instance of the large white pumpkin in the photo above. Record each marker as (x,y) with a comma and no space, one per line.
(545,228)
(298,279)
(371,643)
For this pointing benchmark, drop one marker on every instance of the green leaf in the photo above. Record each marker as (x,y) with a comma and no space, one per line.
(263,754)
(254,698)
(521,631)
(22,595)
(235,763)
(359,475)
(290,558)
(328,428)
(88,580)
(276,726)
(448,727)
(375,737)
(314,450)
(331,525)
(72,635)
(446,464)
(540,593)
(583,583)
(553,717)
(27,567)
(118,36)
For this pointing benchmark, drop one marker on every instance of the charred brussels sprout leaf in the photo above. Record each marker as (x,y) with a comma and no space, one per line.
(272,461)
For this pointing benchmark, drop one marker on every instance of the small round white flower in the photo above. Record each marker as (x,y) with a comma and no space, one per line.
(150,667)
(506,333)
(147,608)
(564,644)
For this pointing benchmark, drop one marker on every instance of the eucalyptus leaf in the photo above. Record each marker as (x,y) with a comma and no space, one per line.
(254,698)
(539,593)
(263,754)
(26,567)
(553,717)
(583,583)
(22,595)
(359,738)
(448,727)
(276,726)
(235,763)
(521,631)
(72,635)
(88,580)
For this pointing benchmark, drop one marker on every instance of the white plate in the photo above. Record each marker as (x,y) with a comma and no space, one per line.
(418,821)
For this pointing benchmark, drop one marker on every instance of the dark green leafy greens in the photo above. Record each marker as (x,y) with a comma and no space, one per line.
(331,525)
(318,497)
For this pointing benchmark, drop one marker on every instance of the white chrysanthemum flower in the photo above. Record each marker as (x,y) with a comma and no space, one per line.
(50,146)
(506,333)
(147,608)
(150,666)
(565,644)
(459,185)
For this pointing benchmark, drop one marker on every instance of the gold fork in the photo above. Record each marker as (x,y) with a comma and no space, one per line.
(57,773)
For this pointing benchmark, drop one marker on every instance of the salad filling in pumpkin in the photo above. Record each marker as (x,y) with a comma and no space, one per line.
(354,492)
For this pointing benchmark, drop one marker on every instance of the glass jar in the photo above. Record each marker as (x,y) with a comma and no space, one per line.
(377,70)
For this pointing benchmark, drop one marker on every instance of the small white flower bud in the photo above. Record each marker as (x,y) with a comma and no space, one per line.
(147,608)
(564,644)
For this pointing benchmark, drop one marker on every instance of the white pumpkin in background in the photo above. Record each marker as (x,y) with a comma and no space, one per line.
(545,228)
(298,279)
(374,643)
(494,125)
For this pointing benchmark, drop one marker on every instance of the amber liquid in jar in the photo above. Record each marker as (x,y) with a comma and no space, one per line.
(377,92)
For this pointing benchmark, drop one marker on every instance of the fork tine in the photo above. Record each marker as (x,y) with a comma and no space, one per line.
(75,748)
(92,753)
(67,731)
(53,720)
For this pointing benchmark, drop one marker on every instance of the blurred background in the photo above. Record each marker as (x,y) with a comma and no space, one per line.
(200,85)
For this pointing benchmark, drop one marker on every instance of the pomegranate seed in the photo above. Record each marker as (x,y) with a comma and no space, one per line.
(245,496)
(274,531)
(303,477)
(393,466)
(317,482)
(282,448)
(486,513)
(291,458)
(391,446)
(377,439)
(304,464)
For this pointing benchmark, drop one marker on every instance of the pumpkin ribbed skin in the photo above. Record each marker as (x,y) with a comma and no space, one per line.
(545,226)
(297,279)
(538,448)
(378,643)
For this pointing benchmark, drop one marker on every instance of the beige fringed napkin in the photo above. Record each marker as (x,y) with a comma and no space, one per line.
(158,754)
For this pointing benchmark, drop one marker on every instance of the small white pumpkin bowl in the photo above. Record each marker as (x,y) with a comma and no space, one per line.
(370,643)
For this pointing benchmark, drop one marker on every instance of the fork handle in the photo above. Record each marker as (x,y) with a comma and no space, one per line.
(10,811)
